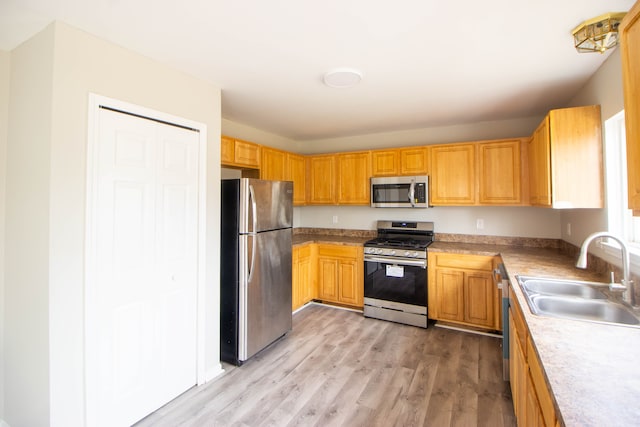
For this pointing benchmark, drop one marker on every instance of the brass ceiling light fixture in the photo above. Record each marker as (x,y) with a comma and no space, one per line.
(598,34)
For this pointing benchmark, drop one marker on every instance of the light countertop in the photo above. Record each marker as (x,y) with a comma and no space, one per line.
(593,369)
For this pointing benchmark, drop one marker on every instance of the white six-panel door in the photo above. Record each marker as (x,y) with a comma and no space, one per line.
(142,292)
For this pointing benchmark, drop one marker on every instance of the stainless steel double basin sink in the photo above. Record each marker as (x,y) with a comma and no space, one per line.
(589,301)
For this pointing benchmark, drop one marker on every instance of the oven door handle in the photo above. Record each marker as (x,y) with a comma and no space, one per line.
(410,262)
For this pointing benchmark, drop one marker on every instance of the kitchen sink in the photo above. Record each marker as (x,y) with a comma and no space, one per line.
(563,288)
(578,300)
(584,309)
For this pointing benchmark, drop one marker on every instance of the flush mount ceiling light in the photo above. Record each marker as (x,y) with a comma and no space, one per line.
(342,78)
(598,34)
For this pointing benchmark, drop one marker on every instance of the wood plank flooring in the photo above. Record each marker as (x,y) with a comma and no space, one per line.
(336,368)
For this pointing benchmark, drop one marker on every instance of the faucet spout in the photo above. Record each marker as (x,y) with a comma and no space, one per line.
(626,282)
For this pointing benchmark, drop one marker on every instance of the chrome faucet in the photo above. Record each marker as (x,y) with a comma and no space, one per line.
(626,284)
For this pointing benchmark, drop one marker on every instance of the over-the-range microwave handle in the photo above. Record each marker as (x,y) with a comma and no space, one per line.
(254,211)
(412,192)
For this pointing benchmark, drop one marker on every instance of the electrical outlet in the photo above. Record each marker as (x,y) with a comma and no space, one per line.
(335,219)
(480,224)
(568,229)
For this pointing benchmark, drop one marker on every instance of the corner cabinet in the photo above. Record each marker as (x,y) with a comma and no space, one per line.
(499,170)
(630,46)
(273,164)
(565,159)
(461,290)
(297,172)
(341,274)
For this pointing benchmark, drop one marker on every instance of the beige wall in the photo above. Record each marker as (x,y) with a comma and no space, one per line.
(604,88)
(4,118)
(47,176)
(27,233)
(241,131)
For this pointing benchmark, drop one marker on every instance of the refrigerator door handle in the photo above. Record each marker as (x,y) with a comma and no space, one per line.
(254,225)
(254,209)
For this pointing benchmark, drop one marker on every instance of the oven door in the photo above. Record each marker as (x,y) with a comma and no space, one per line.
(401,281)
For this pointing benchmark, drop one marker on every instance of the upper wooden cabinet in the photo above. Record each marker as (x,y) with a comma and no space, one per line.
(273,164)
(499,170)
(322,180)
(238,153)
(414,161)
(400,161)
(453,174)
(565,159)
(385,162)
(354,171)
(297,171)
(630,46)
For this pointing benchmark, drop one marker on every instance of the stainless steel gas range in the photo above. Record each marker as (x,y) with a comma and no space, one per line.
(395,266)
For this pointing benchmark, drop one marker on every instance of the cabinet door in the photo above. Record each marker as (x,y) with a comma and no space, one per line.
(518,372)
(414,161)
(273,164)
(385,163)
(226,150)
(295,278)
(450,295)
(328,279)
(630,46)
(322,179)
(453,174)
(247,154)
(540,166)
(499,170)
(348,283)
(306,274)
(480,299)
(353,178)
(296,172)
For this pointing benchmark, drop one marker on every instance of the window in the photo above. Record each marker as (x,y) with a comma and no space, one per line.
(621,222)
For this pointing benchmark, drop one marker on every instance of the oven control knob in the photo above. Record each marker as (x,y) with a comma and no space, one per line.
(407,253)
(392,253)
(368,250)
(415,254)
(379,251)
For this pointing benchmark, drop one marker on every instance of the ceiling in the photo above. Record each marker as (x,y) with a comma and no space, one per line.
(424,63)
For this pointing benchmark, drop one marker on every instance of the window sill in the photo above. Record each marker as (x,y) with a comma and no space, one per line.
(613,256)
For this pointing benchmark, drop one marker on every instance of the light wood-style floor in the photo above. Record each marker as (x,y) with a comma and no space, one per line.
(336,368)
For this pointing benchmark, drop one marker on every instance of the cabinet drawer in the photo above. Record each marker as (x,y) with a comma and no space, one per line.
(338,251)
(470,262)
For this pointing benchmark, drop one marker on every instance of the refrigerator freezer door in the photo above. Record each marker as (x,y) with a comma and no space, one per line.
(265,205)
(265,300)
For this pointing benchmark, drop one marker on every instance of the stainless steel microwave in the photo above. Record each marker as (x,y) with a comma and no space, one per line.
(400,192)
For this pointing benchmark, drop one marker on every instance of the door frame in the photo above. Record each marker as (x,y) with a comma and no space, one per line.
(95,102)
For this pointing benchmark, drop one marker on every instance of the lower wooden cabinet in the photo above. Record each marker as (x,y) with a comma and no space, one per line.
(461,289)
(341,274)
(304,275)
(532,401)
(331,273)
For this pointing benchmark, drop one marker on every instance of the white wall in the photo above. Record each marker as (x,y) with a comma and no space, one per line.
(427,136)
(242,131)
(498,221)
(4,118)
(46,204)
(604,88)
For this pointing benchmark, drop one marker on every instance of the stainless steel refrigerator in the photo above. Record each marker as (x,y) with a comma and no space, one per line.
(255,265)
